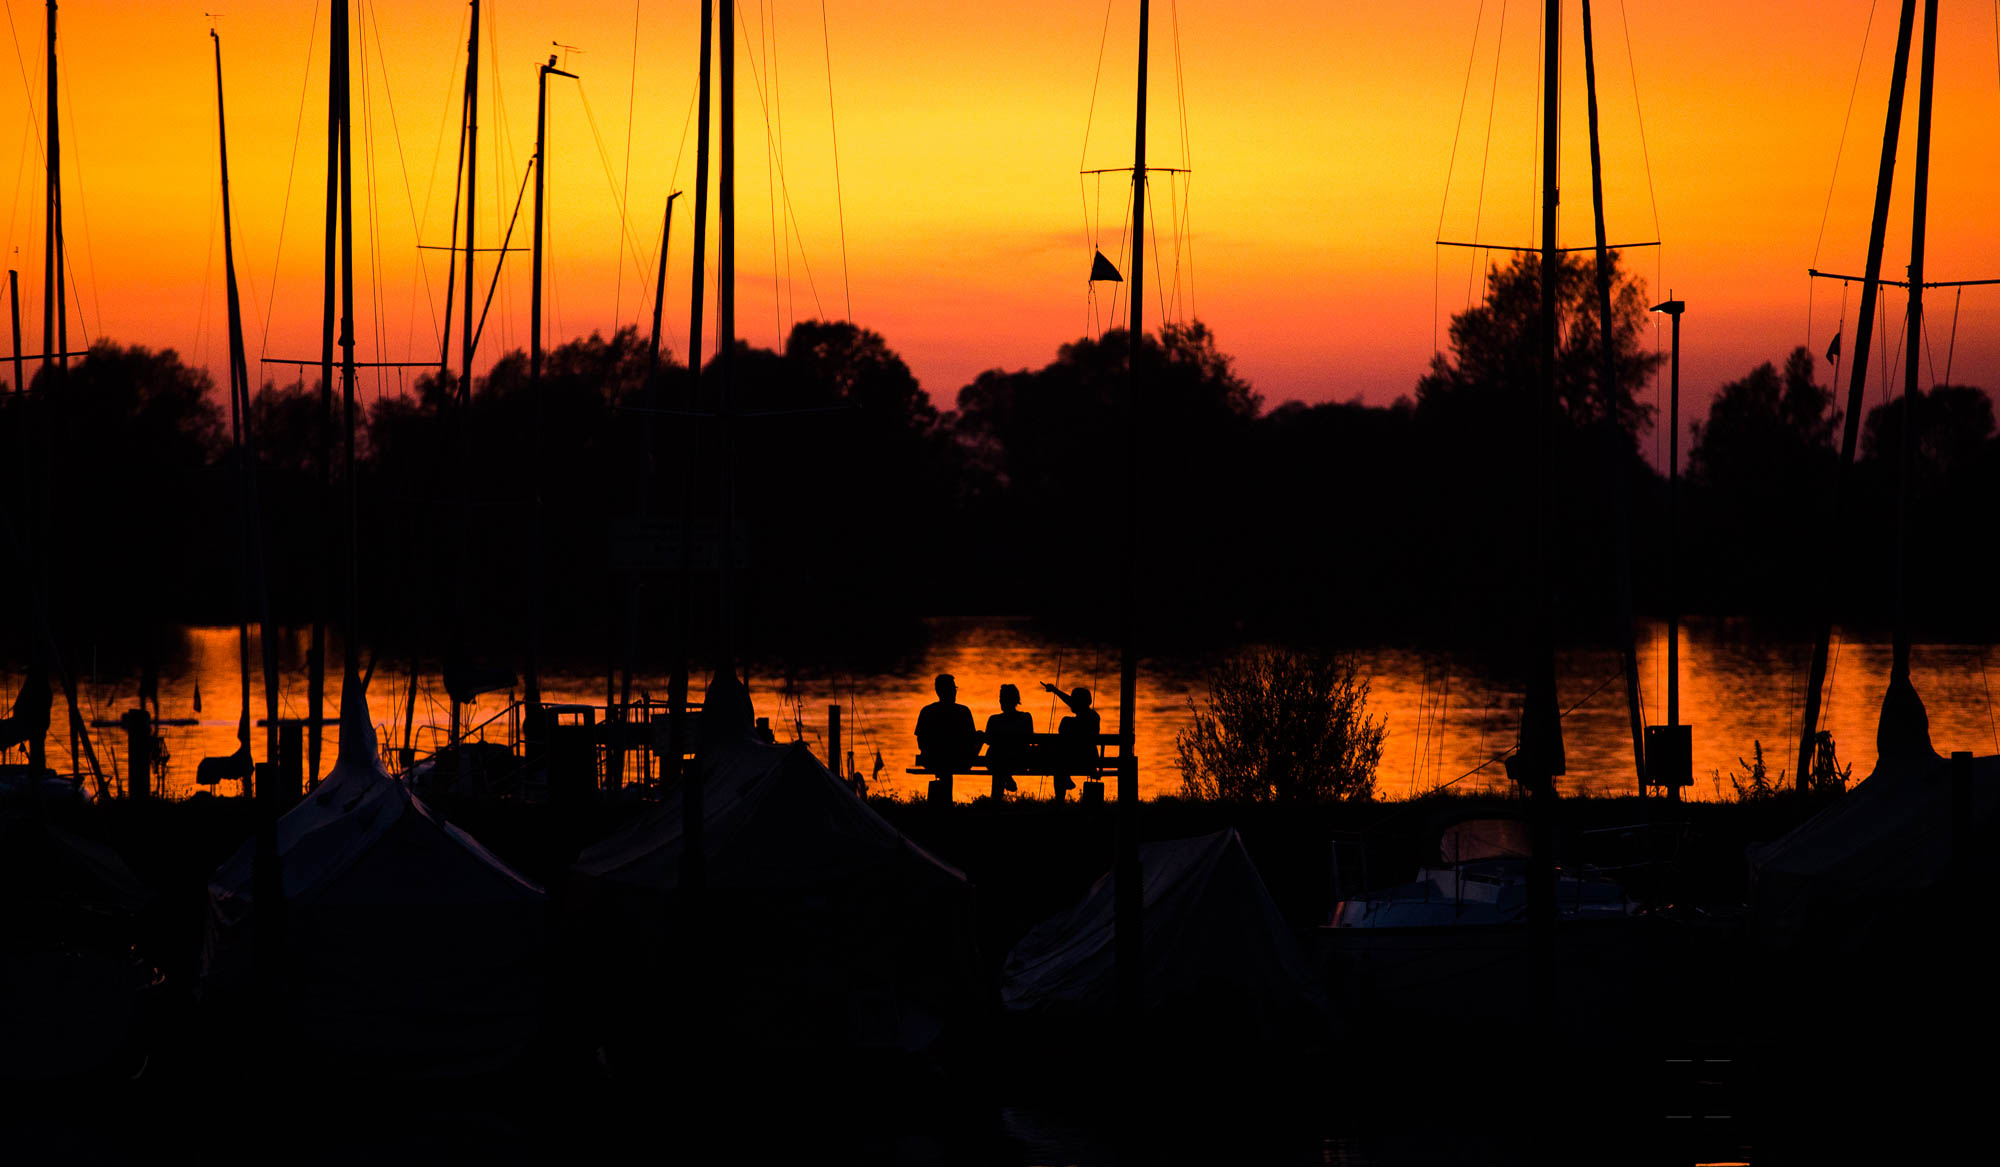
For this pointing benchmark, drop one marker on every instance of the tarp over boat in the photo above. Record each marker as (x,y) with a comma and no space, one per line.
(1215,944)
(827,927)
(1880,855)
(407,944)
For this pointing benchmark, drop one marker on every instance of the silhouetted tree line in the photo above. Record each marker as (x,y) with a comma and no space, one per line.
(509,519)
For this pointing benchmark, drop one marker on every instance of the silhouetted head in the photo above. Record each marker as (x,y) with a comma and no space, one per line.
(1081,697)
(1009,697)
(947,687)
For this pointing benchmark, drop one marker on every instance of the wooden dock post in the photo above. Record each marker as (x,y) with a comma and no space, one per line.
(138,726)
(833,742)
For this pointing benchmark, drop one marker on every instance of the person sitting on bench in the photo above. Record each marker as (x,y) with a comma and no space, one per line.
(1007,734)
(946,741)
(1076,751)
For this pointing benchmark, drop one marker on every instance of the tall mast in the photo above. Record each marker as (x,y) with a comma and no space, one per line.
(1871,286)
(1128,955)
(1539,758)
(462,400)
(350,639)
(246,453)
(693,874)
(1899,674)
(1628,649)
(54,324)
(336,114)
(652,402)
(541,172)
(725,340)
(471,197)
(535,376)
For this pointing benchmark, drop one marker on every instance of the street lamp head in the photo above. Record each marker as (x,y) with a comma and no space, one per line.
(1671,307)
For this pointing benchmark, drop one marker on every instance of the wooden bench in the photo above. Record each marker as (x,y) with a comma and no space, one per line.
(1039,754)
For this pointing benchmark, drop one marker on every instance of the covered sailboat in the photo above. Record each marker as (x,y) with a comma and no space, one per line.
(826,929)
(1885,856)
(1220,961)
(407,945)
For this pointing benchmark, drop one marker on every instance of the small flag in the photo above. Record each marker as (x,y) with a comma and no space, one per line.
(197,694)
(1101,269)
(1833,350)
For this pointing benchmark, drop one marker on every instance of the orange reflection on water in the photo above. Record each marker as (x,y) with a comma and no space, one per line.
(1448,718)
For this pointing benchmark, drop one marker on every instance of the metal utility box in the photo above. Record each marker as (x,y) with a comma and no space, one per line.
(1670,755)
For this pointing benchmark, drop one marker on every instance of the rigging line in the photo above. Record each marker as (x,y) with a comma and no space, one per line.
(372,220)
(625,189)
(1458,130)
(770,174)
(777,139)
(1535,182)
(784,189)
(291,169)
(1479,262)
(452,75)
(1090,114)
(833,128)
(409,195)
(369,201)
(1159,292)
(1632,70)
(610,183)
(1991,724)
(83,208)
(1186,238)
(1841,147)
(1952,348)
(207,274)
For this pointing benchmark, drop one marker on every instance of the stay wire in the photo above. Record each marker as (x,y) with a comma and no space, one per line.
(291,170)
(833,127)
(409,193)
(625,188)
(1840,149)
(1451,164)
(1480,259)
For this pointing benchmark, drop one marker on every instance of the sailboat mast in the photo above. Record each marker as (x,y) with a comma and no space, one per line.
(1539,757)
(246,452)
(1850,435)
(1129,952)
(1621,538)
(350,639)
(1919,212)
(471,196)
(52,245)
(335,115)
(725,339)
(693,874)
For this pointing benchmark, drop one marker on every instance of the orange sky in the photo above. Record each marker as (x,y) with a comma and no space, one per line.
(1320,136)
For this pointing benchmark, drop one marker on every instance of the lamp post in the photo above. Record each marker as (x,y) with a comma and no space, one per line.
(1679,769)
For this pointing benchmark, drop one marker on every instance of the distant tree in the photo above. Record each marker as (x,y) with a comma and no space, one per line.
(1046,448)
(1953,425)
(1765,428)
(1282,726)
(1494,364)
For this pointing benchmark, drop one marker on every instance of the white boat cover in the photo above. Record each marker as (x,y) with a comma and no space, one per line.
(834,928)
(1211,932)
(1841,875)
(407,943)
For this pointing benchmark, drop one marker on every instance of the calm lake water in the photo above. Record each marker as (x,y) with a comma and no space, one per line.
(1446,715)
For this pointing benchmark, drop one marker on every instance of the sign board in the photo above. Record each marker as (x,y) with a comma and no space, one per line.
(1670,755)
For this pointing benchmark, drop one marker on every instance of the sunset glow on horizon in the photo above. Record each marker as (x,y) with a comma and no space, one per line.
(1325,142)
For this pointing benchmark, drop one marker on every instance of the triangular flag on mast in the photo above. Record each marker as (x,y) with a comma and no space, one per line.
(1833,350)
(1101,269)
